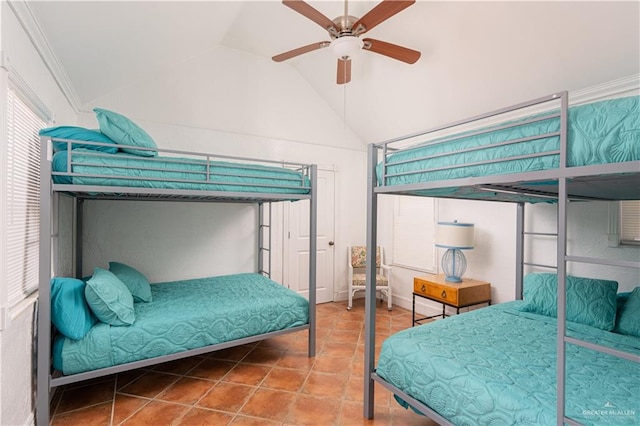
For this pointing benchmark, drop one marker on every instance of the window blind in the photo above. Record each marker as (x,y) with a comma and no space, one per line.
(21,175)
(630,222)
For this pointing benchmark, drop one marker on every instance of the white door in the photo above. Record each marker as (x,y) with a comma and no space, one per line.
(296,274)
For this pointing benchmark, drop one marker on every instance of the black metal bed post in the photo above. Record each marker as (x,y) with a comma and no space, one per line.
(313,250)
(43,324)
(370,293)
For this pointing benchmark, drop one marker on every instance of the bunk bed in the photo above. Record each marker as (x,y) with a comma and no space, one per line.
(182,318)
(508,364)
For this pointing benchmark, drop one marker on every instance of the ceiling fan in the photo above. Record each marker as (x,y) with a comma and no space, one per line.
(345,32)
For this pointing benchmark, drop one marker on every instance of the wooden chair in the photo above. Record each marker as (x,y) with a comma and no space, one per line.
(357,276)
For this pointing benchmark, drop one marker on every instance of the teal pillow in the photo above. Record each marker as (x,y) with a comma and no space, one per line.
(137,283)
(629,318)
(109,299)
(125,132)
(69,310)
(621,299)
(56,353)
(589,301)
(79,134)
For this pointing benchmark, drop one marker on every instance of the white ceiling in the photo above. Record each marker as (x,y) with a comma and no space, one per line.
(476,56)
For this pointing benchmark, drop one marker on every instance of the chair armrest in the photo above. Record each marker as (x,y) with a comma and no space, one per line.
(386,267)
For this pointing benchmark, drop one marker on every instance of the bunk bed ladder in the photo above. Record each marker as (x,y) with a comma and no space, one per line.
(563,338)
(563,258)
(264,243)
(541,234)
(520,250)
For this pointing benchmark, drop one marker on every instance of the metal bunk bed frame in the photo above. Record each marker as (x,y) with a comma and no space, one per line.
(49,191)
(578,182)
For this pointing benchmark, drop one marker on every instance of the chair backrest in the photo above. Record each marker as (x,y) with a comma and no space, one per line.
(358,256)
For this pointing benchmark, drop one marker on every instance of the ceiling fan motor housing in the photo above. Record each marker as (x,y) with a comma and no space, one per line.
(345,25)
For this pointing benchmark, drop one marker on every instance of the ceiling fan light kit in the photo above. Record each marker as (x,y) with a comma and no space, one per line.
(345,32)
(346,47)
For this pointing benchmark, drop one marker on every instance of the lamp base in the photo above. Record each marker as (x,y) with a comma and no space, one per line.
(454,264)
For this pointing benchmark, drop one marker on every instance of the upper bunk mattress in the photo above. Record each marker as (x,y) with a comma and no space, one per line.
(121,169)
(598,133)
(497,366)
(186,315)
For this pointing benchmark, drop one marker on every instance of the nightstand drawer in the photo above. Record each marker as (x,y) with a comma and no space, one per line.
(437,292)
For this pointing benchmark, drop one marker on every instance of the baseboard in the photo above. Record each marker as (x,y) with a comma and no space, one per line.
(423,306)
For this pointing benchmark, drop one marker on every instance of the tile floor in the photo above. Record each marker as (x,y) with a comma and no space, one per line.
(272,382)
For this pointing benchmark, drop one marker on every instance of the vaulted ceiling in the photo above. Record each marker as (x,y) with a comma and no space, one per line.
(476,55)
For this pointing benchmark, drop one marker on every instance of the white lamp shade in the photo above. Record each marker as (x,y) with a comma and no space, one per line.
(455,235)
(346,46)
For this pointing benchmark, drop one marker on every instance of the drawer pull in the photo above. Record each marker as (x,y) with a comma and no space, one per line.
(423,288)
(444,294)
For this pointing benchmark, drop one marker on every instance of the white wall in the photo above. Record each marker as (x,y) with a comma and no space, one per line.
(492,259)
(234,92)
(16,352)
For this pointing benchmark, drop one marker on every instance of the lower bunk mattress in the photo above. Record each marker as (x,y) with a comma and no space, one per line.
(497,366)
(186,315)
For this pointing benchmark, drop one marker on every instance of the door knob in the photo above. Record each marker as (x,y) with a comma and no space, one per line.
(331,243)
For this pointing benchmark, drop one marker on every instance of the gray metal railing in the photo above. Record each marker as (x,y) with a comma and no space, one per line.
(390,151)
(182,168)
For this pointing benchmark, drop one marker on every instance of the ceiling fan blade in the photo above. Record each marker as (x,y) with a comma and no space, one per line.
(306,10)
(300,50)
(344,71)
(391,50)
(383,11)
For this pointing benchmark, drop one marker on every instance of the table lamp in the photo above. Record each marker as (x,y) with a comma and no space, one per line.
(455,237)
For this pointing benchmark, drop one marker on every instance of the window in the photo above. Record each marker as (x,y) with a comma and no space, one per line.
(20,173)
(413,226)
(630,222)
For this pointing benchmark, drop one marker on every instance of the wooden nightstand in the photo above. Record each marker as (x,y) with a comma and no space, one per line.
(457,295)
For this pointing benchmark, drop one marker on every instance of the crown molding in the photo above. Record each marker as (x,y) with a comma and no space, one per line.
(32,28)
(615,88)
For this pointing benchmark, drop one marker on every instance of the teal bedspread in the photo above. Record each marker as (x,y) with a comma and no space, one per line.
(598,133)
(497,366)
(122,169)
(186,315)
